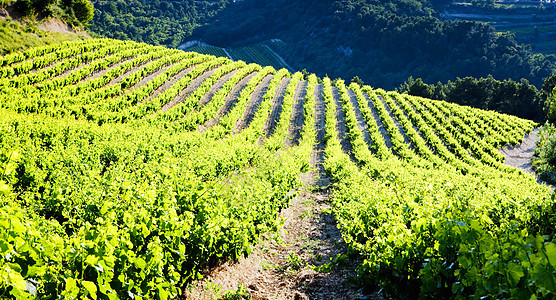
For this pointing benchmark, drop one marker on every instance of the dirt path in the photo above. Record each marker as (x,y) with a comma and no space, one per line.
(297,122)
(305,259)
(276,109)
(376,116)
(280,267)
(520,155)
(341,125)
(253,104)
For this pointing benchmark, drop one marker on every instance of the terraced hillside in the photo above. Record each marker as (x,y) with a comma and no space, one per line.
(126,169)
(260,53)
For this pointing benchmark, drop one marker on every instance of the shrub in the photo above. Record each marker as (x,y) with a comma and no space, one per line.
(544,162)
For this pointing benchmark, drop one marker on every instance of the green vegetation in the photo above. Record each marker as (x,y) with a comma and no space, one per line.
(445,226)
(544,162)
(260,53)
(77,13)
(516,98)
(157,22)
(382,42)
(118,179)
(17,36)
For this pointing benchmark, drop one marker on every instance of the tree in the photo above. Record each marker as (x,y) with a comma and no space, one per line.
(551,107)
(83,10)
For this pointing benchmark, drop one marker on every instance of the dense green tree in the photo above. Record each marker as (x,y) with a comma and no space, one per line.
(550,107)
(83,10)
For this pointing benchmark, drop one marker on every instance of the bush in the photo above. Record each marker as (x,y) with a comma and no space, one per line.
(544,162)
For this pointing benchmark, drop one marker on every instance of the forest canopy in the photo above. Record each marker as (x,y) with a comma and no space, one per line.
(155,22)
(383,42)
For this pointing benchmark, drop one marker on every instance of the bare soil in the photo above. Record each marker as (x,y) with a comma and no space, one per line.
(297,122)
(130,71)
(229,102)
(253,104)
(151,76)
(341,125)
(318,176)
(172,80)
(276,109)
(381,128)
(192,86)
(520,156)
(397,123)
(283,265)
(417,128)
(361,124)
(67,72)
(55,25)
(305,259)
(215,88)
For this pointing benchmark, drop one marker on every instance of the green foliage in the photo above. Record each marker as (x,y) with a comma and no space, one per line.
(83,11)
(544,162)
(550,107)
(383,42)
(115,186)
(18,36)
(516,98)
(452,231)
(155,22)
(238,294)
(139,206)
(74,12)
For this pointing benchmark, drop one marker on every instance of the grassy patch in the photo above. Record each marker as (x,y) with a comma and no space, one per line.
(17,36)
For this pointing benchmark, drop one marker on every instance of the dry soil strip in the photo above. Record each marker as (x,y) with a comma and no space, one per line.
(229,102)
(396,122)
(318,176)
(253,104)
(215,88)
(406,114)
(376,116)
(192,86)
(520,156)
(297,122)
(168,83)
(276,109)
(341,125)
(361,124)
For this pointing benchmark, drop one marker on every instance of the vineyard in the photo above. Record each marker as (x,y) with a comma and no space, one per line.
(127,169)
(261,53)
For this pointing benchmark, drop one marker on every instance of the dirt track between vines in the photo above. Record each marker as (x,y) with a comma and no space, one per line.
(285,265)
(520,156)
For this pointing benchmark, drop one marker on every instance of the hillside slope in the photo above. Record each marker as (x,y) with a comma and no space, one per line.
(128,169)
(17,36)
(381,42)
